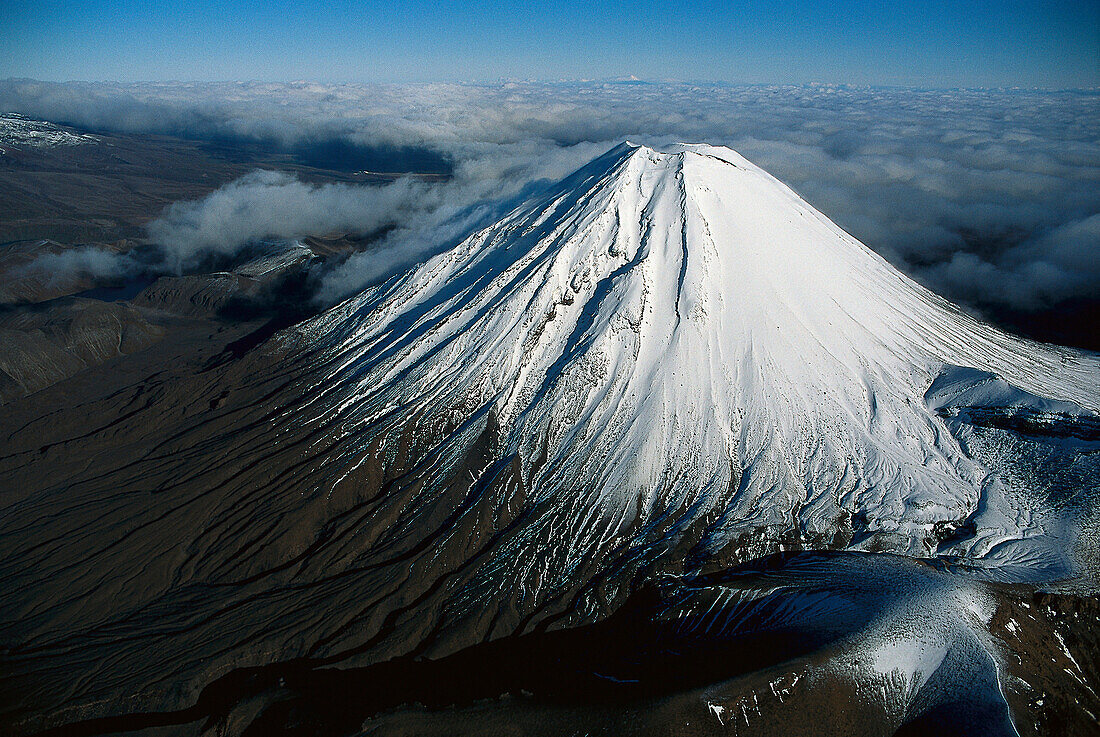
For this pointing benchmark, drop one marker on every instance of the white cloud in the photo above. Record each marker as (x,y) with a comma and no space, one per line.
(988,196)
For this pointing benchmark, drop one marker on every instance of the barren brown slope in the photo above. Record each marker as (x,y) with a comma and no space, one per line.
(166,520)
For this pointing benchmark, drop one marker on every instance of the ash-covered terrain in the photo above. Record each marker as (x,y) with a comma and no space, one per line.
(660,451)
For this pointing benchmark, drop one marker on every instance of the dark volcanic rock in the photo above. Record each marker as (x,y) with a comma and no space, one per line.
(42,345)
(198,295)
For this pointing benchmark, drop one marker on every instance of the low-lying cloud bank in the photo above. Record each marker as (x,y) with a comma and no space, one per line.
(990,197)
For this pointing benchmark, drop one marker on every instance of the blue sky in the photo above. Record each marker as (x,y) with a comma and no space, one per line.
(926,44)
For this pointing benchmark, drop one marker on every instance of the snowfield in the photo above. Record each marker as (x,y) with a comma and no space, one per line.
(18,131)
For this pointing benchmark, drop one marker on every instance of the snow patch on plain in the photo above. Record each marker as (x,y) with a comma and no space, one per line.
(18,131)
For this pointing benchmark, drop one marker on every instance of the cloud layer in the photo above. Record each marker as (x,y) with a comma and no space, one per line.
(990,197)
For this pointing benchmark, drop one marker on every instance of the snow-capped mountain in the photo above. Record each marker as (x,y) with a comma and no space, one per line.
(665,365)
(673,338)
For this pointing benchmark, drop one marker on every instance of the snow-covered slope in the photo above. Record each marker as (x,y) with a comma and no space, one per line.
(674,338)
(19,131)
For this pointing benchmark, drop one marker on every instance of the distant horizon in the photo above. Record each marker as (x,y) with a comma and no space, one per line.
(553,81)
(927,45)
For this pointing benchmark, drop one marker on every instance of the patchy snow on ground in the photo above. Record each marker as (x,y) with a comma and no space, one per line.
(18,131)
